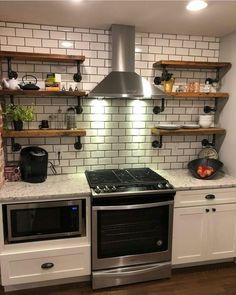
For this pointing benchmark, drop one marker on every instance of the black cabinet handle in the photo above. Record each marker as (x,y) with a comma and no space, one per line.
(47,265)
(214,209)
(210,197)
(207,210)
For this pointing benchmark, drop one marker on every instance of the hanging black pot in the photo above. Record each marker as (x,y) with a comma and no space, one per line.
(18,125)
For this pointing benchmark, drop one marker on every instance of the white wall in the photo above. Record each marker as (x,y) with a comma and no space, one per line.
(228,114)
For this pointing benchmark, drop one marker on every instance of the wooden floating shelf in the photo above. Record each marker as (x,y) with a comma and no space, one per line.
(183,131)
(191,64)
(198,94)
(41,56)
(37,93)
(43,133)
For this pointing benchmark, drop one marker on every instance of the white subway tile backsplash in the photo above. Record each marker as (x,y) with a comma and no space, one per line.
(8,48)
(41,50)
(195,52)
(118,130)
(33,42)
(148,41)
(208,53)
(169,36)
(15,41)
(24,33)
(51,28)
(3,40)
(202,45)
(162,42)
(189,44)
(50,43)
(82,45)
(7,31)
(14,25)
(176,43)
(196,38)
(89,37)
(40,34)
(31,26)
(74,36)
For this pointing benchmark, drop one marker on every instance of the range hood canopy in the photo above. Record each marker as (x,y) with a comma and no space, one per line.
(123,82)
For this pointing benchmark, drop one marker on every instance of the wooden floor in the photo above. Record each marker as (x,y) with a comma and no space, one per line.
(210,280)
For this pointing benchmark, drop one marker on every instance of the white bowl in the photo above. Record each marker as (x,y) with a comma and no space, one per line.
(206,117)
(205,124)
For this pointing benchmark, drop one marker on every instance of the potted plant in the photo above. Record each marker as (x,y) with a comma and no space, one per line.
(168,80)
(19,114)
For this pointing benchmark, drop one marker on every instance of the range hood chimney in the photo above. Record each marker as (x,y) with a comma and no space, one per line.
(123,82)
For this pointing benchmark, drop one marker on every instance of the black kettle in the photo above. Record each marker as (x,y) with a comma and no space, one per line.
(29,85)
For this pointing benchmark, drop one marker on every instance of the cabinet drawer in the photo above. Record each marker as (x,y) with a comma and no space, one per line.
(45,265)
(205,197)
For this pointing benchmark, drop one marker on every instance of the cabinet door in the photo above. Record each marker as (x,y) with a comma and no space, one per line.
(222,231)
(189,235)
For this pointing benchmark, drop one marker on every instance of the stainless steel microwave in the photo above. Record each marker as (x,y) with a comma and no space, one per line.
(43,220)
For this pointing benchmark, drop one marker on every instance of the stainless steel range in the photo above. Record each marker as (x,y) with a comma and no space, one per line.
(132,216)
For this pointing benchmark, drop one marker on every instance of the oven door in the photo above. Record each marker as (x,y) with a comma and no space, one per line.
(133,234)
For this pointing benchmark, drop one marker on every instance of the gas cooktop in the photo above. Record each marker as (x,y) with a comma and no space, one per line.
(110,182)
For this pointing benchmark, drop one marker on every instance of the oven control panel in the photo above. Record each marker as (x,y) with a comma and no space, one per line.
(106,190)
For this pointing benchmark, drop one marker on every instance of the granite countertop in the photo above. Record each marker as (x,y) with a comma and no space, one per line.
(182,179)
(55,187)
(75,186)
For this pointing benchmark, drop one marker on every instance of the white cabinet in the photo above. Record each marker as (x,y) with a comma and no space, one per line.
(222,231)
(189,235)
(46,260)
(42,266)
(203,233)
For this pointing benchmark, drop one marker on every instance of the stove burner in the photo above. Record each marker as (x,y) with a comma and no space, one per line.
(126,181)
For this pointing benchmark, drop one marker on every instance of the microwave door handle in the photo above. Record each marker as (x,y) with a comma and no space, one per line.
(130,207)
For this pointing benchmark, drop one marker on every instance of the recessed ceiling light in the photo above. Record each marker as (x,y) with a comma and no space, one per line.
(196,5)
(66,44)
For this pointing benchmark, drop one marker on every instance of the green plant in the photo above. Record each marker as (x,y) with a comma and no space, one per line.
(166,76)
(19,113)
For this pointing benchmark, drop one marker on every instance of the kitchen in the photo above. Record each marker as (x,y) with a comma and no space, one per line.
(118,132)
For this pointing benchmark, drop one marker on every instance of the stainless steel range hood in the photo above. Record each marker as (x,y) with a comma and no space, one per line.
(123,82)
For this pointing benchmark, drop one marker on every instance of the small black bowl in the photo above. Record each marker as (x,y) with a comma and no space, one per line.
(194,164)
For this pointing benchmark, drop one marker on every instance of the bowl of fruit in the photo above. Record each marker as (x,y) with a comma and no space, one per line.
(204,168)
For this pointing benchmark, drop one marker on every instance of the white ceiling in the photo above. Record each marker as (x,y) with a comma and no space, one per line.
(218,19)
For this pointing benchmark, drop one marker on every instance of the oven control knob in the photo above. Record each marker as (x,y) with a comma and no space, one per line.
(97,190)
(160,185)
(106,189)
(168,185)
(113,189)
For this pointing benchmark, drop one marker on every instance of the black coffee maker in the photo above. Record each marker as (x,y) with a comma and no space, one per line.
(33,164)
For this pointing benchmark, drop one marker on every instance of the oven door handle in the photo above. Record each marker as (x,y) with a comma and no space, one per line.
(112,273)
(130,207)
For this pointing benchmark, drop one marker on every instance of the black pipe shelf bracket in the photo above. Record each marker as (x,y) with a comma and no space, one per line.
(15,147)
(78,144)
(159,109)
(78,76)
(218,74)
(157,144)
(205,142)
(78,108)
(11,74)
(208,109)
